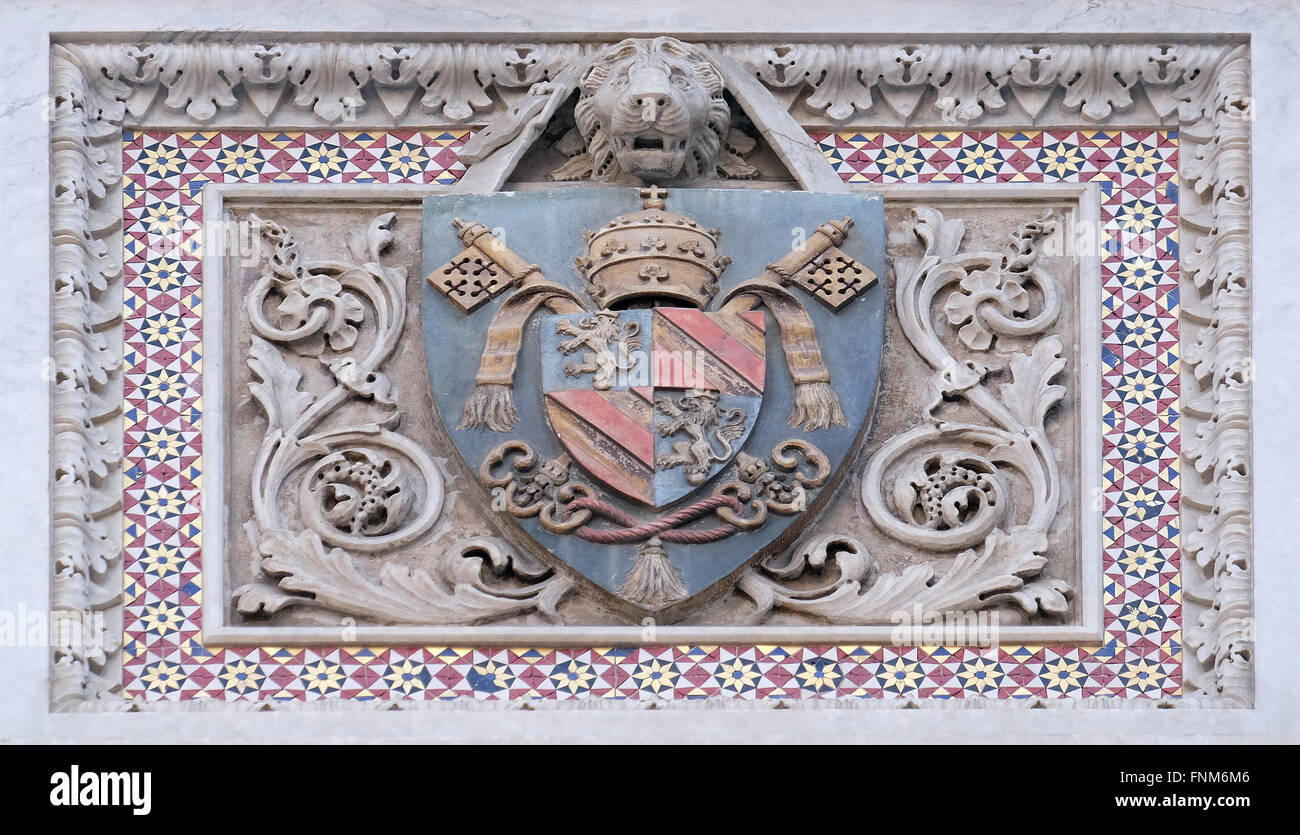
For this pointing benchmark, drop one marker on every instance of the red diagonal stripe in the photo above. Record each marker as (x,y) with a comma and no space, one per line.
(606,461)
(715,339)
(609,420)
(757,319)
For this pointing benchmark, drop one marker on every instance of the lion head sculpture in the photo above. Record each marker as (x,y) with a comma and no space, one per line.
(653,110)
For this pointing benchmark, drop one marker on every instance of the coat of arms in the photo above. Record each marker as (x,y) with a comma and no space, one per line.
(628,408)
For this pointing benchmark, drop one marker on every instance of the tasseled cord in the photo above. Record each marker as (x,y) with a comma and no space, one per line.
(816,406)
(652,581)
(491,406)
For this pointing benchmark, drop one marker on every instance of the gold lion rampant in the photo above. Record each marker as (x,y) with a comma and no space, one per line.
(697,414)
(610,348)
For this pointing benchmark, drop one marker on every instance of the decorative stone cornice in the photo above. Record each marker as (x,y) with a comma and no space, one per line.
(97,89)
(1218,568)
(462,83)
(85,397)
(951,83)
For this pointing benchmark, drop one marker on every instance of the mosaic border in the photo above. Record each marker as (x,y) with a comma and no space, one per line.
(163,175)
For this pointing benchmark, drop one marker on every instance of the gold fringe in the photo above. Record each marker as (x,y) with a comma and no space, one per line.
(816,406)
(491,406)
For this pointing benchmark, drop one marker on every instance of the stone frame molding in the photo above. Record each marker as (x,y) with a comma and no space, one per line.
(895,592)
(1201,87)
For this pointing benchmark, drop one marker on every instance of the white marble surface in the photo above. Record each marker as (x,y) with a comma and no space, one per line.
(24,336)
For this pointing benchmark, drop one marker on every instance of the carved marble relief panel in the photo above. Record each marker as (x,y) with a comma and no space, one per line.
(350,500)
(991,229)
(357,390)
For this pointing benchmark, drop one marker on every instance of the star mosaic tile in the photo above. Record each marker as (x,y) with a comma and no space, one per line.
(163,174)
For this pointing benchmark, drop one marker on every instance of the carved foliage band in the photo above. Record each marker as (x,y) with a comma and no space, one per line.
(1215,304)
(456,83)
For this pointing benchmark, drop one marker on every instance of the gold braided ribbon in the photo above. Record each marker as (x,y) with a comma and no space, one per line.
(492,405)
(816,405)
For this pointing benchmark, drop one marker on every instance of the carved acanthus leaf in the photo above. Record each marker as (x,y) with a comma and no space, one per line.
(456,591)
(451,81)
(939,486)
(1030,394)
(1041,595)
(975,579)
(331,79)
(278,390)
(458,80)
(328,77)
(361,488)
(198,78)
(86,110)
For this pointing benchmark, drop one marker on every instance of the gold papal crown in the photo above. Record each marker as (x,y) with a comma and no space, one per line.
(652,253)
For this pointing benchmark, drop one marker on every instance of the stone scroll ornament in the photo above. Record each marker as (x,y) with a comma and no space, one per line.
(330,496)
(943,486)
(666,464)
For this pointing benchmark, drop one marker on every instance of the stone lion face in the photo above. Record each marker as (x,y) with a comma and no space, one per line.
(652,109)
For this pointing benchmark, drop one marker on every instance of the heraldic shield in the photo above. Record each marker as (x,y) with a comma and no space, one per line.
(657,387)
(625,410)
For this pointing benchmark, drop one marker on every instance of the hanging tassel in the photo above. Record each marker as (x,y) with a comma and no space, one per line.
(816,406)
(652,581)
(491,406)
